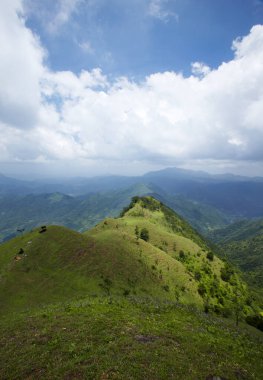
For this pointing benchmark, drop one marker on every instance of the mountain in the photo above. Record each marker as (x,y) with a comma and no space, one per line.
(79,213)
(175,263)
(137,297)
(242,244)
(235,196)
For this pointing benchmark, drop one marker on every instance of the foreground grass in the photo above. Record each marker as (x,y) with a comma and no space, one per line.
(103,338)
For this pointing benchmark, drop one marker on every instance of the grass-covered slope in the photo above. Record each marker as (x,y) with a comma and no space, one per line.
(242,243)
(112,259)
(178,257)
(118,339)
(133,298)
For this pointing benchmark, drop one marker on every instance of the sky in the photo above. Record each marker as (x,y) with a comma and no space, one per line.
(94,87)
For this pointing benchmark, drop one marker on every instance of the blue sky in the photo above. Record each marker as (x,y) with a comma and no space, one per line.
(116,86)
(130,38)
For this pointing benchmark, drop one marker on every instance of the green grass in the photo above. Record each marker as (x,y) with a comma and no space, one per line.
(61,264)
(107,304)
(109,338)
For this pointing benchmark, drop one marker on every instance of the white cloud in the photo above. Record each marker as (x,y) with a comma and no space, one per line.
(65,11)
(86,47)
(159,10)
(215,115)
(54,17)
(21,67)
(200,69)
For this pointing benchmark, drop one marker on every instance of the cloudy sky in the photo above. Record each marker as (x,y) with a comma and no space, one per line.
(92,87)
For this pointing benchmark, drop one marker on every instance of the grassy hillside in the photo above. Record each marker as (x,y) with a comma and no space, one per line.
(134,339)
(201,216)
(174,264)
(141,296)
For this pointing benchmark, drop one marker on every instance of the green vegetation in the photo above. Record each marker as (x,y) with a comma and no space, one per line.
(242,244)
(105,338)
(20,213)
(144,235)
(136,297)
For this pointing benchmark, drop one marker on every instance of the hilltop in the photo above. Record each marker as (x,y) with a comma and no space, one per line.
(174,263)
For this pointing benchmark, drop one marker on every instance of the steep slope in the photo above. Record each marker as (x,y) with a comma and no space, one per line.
(174,264)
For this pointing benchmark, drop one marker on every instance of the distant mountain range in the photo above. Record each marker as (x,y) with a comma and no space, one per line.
(206,201)
(233,195)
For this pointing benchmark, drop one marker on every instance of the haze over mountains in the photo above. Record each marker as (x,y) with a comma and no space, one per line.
(206,201)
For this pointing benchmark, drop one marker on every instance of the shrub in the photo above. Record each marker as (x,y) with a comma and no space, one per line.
(226,272)
(166,288)
(210,256)
(144,235)
(198,276)
(256,321)
(201,290)
(137,232)
(182,255)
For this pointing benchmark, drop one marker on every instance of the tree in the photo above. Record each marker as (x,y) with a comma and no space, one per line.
(137,232)
(144,234)
(210,256)
(238,301)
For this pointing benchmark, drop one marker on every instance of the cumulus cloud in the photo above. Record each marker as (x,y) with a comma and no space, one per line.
(21,67)
(200,69)
(213,115)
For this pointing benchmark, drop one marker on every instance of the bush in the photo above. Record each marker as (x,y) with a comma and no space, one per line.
(198,276)
(166,288)
(182,255)
(256,321)
(210,256)
(144,235)
(226,272)
(201,290)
